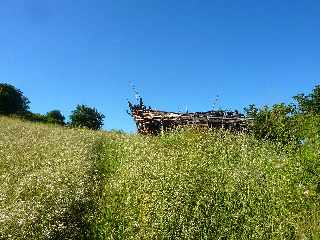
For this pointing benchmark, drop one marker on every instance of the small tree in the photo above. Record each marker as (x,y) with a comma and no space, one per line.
(84,116)
(309,103)
(275,123)
(12,100)
(55,116)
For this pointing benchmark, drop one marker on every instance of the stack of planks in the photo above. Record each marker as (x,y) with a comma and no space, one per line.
(151,121)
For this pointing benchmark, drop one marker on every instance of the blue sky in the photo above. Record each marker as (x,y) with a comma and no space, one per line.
(179,53)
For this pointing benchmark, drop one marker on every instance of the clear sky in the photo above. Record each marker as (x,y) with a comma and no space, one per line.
(179,53)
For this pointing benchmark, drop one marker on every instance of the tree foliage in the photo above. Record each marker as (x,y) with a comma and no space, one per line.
(84,116)
(35,117)
(286,123)
(309,103)
(273,123)
(12,100)
(55,116)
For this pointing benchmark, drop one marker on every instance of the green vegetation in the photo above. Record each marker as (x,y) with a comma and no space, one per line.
(14,104)
(49,180)
(84,116)
(286,123)
(63,183)
(197,185)
(309,103)
(70,183)
(12,100)
(56,117)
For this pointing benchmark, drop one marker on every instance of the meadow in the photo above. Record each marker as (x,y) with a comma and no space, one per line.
(60,183)
(48,180)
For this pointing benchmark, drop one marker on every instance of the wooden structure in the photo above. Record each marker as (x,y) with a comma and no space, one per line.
(151,121)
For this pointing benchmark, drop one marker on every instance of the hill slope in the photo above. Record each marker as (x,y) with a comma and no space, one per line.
(47,180)
(60,183)
(194,185)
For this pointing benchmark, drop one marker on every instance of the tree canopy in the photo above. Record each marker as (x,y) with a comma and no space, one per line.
(309,103)
(286,122)
(12,100)
(84,116)
(55,116)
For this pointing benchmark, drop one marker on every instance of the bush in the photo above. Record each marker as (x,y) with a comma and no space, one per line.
(34,117)
(12,100)
(84,116)
(285,123)
(277,123)
(55,116)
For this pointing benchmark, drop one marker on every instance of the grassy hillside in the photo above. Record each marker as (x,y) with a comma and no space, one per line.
(69,184)
(193,185)
(48,184)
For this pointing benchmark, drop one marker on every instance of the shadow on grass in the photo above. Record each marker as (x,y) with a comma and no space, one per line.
(78,222)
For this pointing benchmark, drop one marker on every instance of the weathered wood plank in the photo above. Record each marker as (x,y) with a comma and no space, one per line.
(154,121)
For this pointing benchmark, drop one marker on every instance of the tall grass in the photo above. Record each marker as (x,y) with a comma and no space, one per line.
(216,185)
(48,181)
(59,183)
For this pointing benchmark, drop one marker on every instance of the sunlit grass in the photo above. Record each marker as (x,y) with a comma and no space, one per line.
(215,185)
(60,183)
(47,180)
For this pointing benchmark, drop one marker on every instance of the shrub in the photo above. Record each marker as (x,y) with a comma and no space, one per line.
(277,123)
(34,117)
(286,123)
(55,116)
(84,116)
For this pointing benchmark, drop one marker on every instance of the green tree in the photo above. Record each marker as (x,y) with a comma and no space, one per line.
(309,103)
(84,116)
(12,100)
(55,116)
(275,123)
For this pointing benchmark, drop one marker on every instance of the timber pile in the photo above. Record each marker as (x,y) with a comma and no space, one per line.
(151,121)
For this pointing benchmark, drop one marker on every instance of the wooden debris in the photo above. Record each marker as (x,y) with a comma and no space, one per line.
(151,121)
